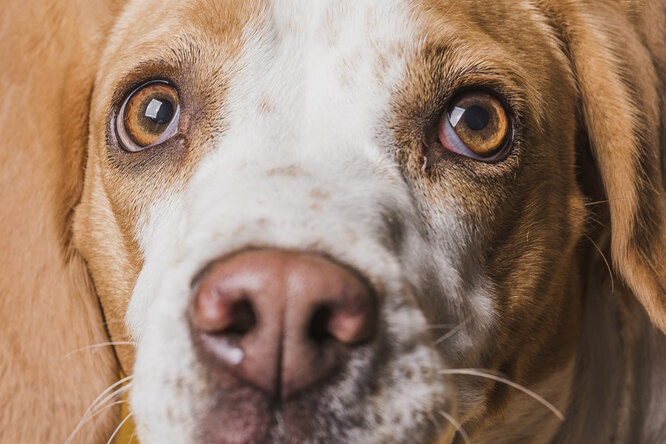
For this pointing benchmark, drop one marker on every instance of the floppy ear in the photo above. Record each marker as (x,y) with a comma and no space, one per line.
(49,313)
(620,90)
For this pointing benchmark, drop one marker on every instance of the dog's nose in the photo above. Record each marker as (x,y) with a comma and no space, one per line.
(281,320)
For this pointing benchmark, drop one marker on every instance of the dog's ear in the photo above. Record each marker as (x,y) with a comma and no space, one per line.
(49,314)
(620,92)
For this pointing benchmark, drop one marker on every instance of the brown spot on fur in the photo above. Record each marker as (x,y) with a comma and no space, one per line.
(319,194)
(266,106)
(287,171)
(333,14)
(381,67)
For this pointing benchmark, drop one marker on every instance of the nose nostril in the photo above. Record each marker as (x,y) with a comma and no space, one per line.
(347,323)
(243,318)
(217,312)
(318,330)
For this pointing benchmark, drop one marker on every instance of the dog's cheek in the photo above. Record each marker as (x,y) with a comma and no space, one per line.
(167,384)
(113,266)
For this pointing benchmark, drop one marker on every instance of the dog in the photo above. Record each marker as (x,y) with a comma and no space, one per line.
(424,221)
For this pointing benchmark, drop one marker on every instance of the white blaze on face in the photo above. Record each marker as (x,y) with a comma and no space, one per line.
(304,111)
(305,164)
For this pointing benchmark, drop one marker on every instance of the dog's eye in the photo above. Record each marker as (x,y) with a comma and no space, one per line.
(149,116)
(475,125)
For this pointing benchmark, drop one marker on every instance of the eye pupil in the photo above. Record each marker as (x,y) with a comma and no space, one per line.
(476,118)
(159,111)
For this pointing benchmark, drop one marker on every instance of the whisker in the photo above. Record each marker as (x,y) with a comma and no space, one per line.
(99,408)
(110,397)
(456,425)
(604,201)
(591,219)
(598,202)
(481,374)
(93,415)
(101,399)
(101,405)
(452,332)
(447,335)
(114,389)
(440,326)
(120,426)
(603,256)
(106,407)
(100,345)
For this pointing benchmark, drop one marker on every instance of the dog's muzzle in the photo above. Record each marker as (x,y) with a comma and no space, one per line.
(278,323)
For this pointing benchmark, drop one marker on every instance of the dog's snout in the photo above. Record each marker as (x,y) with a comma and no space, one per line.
(281,320)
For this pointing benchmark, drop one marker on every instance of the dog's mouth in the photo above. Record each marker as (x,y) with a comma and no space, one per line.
(240,413)
(354,405)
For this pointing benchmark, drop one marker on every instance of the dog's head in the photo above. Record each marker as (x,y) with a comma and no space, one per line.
(307,213)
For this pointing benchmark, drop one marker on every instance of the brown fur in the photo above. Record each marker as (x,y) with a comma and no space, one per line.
(540,291)
(514,204)
(620,76)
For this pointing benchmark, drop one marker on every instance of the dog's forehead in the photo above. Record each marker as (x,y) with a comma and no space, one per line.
(307,48)
(324,24)
(322,71)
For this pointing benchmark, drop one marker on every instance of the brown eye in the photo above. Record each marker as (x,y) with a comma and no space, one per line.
(149,116)
(476,125)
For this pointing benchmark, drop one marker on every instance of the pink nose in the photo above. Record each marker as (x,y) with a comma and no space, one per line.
(280,320)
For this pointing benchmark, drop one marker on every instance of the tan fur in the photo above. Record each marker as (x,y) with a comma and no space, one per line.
(48,309)
(537,274)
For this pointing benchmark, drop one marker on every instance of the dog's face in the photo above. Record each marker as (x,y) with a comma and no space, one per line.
(306,213)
